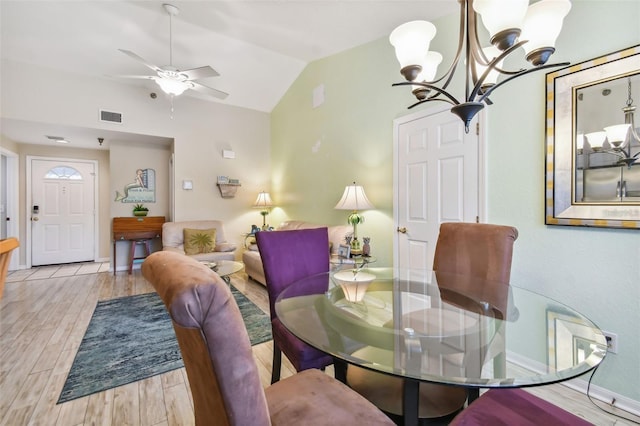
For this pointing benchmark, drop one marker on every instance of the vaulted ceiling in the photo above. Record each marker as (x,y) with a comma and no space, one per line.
(259,47)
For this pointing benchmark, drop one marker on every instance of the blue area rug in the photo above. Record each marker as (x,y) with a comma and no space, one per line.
(131,338)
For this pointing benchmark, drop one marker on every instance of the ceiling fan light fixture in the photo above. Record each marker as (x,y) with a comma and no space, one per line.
(172,87)
(172,80)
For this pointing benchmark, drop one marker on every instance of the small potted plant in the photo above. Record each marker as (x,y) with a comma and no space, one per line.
(140,210)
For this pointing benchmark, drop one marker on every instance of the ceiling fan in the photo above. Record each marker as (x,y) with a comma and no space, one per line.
(172,80)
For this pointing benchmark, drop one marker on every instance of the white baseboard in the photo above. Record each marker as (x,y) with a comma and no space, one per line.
(580,384)
(605,395)
(101,260)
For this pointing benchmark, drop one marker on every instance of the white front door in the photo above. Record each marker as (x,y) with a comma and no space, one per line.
(437,178)
(62,211)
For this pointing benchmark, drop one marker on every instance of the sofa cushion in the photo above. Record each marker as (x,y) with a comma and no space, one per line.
(173,235)
(336,232)
(198,241)
(225,247)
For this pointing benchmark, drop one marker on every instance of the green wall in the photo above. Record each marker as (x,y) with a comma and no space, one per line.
(315,152)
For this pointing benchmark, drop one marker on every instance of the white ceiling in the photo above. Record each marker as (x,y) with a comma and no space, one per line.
(259,47)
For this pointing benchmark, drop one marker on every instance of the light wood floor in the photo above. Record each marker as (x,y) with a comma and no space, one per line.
(43,317)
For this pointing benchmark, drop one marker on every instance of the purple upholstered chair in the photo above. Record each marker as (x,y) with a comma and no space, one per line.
(288,256)
(223,375)
(506,407)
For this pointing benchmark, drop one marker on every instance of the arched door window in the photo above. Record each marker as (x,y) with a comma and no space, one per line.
(63,172)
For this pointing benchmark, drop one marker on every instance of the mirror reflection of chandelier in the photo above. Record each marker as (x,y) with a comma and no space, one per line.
(617,139)
(511,24)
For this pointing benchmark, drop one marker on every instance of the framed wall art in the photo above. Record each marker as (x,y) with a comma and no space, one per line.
(592,156)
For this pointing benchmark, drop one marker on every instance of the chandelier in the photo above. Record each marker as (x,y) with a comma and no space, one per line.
(620,137)
(511,24)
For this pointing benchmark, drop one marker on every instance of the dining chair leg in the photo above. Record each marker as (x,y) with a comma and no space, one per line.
(276,364)
(340,370)
(472,395)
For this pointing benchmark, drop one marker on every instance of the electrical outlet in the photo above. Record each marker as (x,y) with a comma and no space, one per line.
(612,341)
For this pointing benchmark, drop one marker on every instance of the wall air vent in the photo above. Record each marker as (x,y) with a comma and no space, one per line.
(110,117)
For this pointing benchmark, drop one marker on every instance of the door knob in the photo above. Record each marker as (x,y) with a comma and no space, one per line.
(402,230)
(35,218)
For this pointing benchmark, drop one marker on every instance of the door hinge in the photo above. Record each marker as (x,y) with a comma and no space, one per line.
(478,129)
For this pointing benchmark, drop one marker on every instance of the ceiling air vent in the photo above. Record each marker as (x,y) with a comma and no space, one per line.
(110,117)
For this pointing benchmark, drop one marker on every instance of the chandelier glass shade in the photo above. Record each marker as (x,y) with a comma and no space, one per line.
(511,24)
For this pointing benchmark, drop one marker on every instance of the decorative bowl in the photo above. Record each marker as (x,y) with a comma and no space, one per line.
(353,283)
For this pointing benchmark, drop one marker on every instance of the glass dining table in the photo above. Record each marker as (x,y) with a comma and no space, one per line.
(424,326)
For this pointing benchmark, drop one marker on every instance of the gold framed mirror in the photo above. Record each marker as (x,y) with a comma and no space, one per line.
(592,156)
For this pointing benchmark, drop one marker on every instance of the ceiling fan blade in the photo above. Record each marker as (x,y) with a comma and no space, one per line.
(143,77)
(141,60)
(209,91)
(202,72)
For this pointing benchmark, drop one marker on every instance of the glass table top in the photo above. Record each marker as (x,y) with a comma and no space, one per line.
(225,267)
(356,260)
(443,328)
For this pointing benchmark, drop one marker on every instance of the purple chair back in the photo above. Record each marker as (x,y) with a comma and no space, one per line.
(288,256)
(213,340)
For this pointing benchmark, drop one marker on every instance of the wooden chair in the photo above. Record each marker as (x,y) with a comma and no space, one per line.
(288,256)
(479,251)
(222,372)
(6,247)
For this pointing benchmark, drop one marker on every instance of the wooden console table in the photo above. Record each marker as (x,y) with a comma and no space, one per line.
(137,230)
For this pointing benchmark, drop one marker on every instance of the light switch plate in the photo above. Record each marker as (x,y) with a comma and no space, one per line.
(187,184)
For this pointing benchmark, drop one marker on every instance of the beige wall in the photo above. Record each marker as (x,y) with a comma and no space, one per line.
(200,130)
(317,151)
(125,159)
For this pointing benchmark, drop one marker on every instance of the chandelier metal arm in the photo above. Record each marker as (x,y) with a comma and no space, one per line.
(474,51)
(454,64)
(523,72)
(440,91)
(504,55)
(625,158)
(629,112)
(431,99)
(490,66)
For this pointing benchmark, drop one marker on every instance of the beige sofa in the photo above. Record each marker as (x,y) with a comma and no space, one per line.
(251,256)
(173,239)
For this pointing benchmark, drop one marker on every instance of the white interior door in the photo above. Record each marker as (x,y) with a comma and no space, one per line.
(62,211)
(437,180)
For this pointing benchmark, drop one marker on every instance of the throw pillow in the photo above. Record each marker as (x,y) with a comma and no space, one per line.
(199,241)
